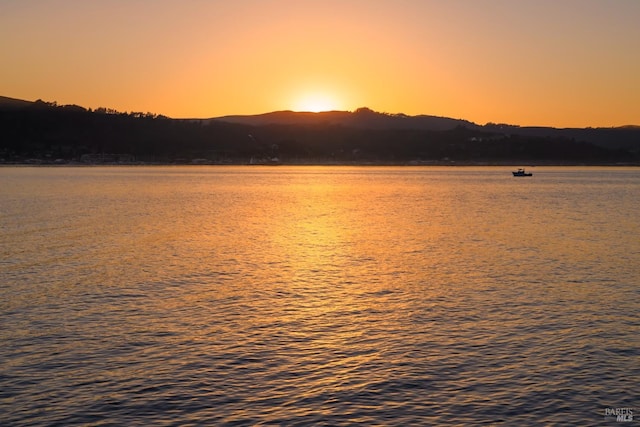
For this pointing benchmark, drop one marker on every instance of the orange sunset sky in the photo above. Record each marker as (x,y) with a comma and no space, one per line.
(557,63)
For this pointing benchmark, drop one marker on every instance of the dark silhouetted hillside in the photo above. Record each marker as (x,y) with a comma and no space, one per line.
(7,103)
(45,132)
(363,118)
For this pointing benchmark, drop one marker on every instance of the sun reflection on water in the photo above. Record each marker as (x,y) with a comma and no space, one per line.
(316,296)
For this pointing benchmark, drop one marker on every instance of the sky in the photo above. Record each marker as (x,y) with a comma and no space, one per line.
(562,63)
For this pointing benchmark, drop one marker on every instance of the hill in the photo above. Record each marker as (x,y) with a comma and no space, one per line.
(362,118)
(624,137)
(12,103)
(44,132)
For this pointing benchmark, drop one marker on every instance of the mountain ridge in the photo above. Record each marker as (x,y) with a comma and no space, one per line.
(7,102)
(360,118)
(621,137)
(363,118)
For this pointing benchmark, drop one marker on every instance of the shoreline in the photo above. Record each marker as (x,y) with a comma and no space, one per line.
(512,163)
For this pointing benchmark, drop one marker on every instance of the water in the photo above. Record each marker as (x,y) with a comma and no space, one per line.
(318,296)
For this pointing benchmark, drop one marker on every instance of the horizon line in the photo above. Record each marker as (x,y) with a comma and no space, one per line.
(55,103)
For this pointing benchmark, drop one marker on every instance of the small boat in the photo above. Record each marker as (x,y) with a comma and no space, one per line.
(521,172)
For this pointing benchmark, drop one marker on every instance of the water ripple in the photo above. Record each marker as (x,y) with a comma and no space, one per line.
(367,297)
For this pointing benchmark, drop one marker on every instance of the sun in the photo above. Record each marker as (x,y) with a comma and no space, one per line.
(315,103)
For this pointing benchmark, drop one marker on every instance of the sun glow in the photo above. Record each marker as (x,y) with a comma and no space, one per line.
(316,103)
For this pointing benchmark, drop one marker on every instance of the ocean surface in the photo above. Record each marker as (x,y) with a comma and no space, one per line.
(303,296)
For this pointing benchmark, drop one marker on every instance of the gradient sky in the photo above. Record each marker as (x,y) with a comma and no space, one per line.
(530,62)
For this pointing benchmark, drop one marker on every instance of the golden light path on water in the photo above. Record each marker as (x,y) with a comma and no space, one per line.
(318,295)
